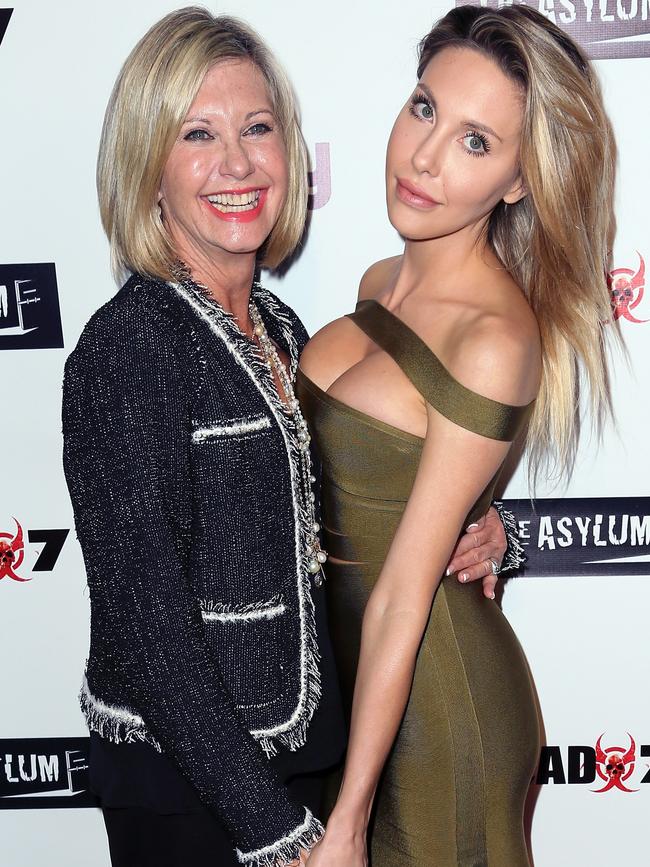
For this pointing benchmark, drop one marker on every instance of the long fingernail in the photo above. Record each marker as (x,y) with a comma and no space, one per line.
(464,577)
(471,527)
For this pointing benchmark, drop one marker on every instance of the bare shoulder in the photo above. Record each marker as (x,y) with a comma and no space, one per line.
(497,353)
(377,276)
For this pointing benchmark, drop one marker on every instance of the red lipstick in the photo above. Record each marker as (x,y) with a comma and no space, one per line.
(239,216)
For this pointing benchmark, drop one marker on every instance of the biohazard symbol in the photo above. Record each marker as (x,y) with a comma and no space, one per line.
(615,765)
(11,554)
(626,290)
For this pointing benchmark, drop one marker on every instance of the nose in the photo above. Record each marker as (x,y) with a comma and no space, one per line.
(235,161)
(428,155)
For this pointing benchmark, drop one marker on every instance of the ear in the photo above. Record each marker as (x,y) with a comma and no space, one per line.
(517,191)
(159,206)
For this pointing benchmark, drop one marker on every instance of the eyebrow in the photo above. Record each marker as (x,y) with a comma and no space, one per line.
(474,124)
(206,120)
(258,111)
(483,128)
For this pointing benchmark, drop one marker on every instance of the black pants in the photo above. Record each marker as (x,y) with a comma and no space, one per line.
(138,837)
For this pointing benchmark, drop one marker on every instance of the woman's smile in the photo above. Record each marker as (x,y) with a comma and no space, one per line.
(237,206)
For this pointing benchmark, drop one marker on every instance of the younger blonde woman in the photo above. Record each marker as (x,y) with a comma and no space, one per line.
(499,177)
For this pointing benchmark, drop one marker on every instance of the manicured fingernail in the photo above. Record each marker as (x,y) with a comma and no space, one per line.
(471,527)
(448,572)
(464,577)
(492,596)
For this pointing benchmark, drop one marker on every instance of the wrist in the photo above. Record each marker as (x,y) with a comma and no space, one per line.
(348,822)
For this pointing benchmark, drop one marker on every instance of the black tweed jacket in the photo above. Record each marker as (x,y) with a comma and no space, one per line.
(183,476)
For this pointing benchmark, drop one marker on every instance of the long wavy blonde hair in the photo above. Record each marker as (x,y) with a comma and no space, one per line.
(556,241)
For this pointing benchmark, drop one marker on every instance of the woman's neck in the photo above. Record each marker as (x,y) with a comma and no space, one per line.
(228,280)
(440,265)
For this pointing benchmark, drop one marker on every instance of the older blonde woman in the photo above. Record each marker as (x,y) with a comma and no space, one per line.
(210,691)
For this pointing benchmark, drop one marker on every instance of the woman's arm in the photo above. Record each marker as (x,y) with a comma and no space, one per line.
(126,457)
(494,535)
(455,468)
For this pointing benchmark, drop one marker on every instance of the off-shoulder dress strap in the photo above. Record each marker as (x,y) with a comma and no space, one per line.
(450,398)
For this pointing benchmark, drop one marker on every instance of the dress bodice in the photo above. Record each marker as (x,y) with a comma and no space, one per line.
(370,459)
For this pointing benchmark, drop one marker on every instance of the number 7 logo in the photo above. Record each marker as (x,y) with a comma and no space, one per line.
(12,551)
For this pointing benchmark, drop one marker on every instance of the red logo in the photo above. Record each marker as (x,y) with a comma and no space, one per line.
(12,554)
(614,765)
(12,551)
(626,290)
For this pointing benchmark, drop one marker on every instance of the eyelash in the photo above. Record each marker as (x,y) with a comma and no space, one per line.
(419,99)
(191,135)
(422,99)
(265,128)
(482,139)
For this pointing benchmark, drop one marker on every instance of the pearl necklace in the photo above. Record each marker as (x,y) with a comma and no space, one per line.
(316,556)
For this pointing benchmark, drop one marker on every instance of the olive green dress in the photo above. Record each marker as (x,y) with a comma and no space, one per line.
(455,783)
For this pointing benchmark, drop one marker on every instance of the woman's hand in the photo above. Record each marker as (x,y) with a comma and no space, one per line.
(483,541)
(339,849)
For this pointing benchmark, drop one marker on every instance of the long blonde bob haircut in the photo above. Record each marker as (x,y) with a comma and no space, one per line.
(556,241)
(148,105)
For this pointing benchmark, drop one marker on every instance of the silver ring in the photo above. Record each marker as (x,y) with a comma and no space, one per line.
(494,565)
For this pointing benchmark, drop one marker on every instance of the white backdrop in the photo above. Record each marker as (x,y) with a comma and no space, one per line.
(353,65)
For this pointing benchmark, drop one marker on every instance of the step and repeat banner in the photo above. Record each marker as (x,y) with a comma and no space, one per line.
(580,606)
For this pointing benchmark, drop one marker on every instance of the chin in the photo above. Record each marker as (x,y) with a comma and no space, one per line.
(243,242)
(242,249)
(415,228)
(427,227)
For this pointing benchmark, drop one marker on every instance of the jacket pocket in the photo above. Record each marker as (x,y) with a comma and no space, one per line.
(250,646)
(237,428)
(225,613)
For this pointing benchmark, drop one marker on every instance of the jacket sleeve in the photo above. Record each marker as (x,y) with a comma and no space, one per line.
(126,433)
(514,558)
